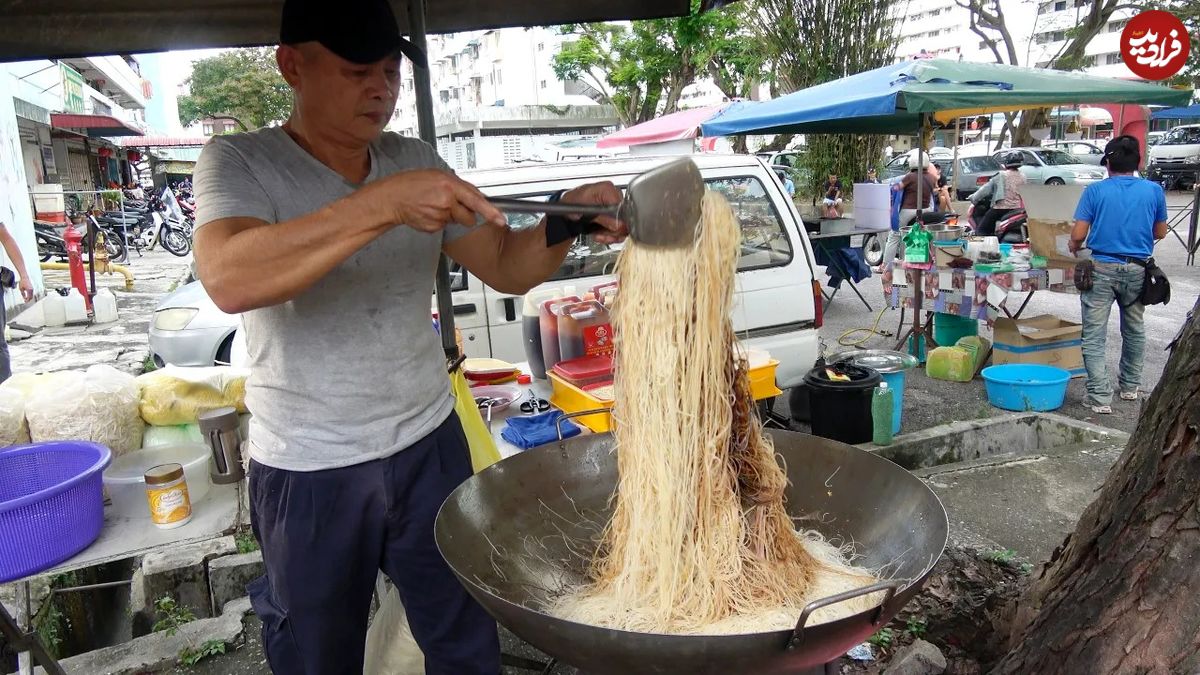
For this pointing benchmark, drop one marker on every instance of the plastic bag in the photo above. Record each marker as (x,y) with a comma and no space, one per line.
(98,405)
(483,446)
(14,430)
(181,434)
(955,364)
(176,395)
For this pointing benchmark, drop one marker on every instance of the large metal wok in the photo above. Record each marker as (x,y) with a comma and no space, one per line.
(519,530)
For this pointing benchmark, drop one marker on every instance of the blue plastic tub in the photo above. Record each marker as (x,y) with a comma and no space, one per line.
(51,503)
(1026,387)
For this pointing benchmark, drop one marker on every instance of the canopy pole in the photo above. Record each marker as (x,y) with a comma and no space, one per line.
(954,162)
(428,133)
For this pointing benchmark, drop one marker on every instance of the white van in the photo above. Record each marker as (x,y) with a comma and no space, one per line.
(777,301)
(1177,156)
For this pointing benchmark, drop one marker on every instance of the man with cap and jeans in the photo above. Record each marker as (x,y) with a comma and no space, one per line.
(324,233)
(1118,219)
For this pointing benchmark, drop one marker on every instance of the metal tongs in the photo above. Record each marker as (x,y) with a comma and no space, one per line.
(661,206)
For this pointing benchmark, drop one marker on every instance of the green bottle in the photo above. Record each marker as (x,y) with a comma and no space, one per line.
(881,414)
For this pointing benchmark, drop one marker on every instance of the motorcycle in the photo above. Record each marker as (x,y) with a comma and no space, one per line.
(51,242)
(167,233)
(1011,229)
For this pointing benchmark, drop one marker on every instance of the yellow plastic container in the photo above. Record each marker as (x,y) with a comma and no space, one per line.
(569,399)
(762,381)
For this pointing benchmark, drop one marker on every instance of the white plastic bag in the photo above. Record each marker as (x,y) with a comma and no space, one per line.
(391,648)
(180,434)
(13,428)
(99,405)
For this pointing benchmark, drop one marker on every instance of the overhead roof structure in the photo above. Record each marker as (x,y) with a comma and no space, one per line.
(69,28)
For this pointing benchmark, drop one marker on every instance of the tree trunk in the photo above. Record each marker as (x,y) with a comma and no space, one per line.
(1120,594)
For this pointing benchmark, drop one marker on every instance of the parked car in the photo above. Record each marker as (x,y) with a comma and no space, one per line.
(1086,152)
(1176,159)
(1054,167)
(966,176)
(1154,137)
(788,158)
(776,303)
(188,329)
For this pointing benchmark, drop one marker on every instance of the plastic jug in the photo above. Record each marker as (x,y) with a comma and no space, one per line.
(881,415)
(531,330)
(76,307)
(105,306)
(548,315)
(977,346)
(54,309)
(954,364)
(584,329)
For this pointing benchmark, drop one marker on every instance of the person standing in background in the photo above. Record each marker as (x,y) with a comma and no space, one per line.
(24,284)
(1119,219)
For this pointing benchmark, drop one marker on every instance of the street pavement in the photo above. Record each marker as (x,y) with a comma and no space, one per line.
(121,344)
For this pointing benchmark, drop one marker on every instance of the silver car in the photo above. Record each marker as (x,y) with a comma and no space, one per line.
(1053,167)
(190,330)
(1085,152)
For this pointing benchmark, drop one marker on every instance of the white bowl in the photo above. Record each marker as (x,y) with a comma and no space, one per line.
(125,477)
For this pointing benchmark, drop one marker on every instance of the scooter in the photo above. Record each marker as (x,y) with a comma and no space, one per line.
(1011,229)
(51,242)
(168,234)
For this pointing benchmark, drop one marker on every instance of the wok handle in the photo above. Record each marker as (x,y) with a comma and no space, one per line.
(889,587)
(566,416)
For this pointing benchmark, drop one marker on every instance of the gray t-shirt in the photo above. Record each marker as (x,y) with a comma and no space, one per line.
(350,370)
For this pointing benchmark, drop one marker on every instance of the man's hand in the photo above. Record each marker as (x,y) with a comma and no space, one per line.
(600,193)
(26,288)
(1073,245)
(428,199)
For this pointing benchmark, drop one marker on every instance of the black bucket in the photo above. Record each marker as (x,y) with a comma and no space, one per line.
(842,410)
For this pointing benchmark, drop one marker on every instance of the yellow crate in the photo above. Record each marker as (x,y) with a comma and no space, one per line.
(762,381)
(569,398)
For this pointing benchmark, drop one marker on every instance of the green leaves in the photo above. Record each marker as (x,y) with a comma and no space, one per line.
(642,68)
(244,84)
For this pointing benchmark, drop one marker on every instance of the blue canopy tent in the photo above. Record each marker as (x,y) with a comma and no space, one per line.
(902,97)
(1191,112)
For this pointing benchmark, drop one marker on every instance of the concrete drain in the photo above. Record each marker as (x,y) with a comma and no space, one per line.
(1017,434)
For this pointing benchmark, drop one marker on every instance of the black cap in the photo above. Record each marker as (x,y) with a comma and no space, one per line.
(360,31)
(1121,145)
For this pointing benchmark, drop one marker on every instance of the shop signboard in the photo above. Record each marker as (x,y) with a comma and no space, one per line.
(72,83)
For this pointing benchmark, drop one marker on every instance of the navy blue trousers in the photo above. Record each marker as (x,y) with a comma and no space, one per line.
(326,534)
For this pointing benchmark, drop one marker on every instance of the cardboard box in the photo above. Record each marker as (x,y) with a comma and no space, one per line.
(1046,340)
(1051,215)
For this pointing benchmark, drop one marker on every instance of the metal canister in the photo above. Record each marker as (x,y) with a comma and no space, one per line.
(220,430)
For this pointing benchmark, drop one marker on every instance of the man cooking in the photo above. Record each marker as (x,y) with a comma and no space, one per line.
(324,234)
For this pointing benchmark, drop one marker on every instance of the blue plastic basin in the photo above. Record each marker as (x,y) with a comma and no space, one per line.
(1026,387)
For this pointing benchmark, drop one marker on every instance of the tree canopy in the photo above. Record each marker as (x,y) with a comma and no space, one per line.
(243,84)
(642,68)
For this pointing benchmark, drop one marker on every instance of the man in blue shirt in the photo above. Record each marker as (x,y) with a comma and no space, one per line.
(1119,219)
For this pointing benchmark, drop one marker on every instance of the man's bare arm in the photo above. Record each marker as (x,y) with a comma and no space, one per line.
(1079,235)
(246,263)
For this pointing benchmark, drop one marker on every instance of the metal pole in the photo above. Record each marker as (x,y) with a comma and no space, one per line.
(428,133)
(1195,222)
(954,172)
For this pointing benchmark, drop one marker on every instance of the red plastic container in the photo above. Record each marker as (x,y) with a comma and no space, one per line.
(586,371)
